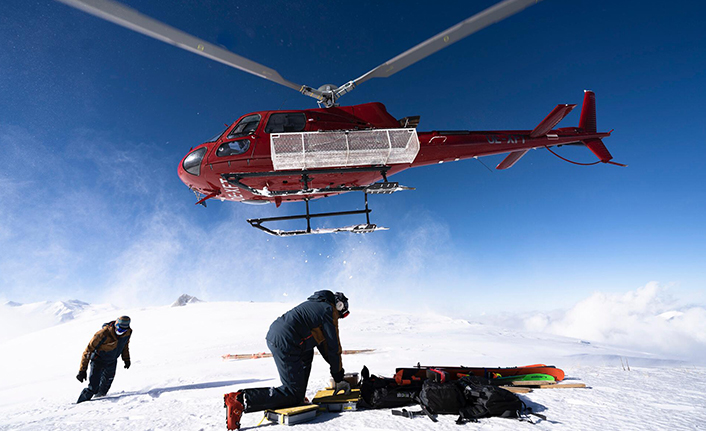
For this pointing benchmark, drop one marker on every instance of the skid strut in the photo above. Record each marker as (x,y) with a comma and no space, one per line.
(360,228)
(385,187)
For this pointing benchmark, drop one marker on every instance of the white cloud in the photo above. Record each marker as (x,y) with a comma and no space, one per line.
(67,204)
(644,319)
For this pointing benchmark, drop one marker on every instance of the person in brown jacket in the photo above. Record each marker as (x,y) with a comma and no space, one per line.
(102,353)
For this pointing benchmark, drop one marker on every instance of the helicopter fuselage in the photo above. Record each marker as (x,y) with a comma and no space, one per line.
(244,148)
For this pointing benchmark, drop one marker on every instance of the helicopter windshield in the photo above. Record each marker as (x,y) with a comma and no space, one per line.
(218,135)
(245,126)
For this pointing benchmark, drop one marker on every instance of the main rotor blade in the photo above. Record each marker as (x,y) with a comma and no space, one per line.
(447,37)
(130,18)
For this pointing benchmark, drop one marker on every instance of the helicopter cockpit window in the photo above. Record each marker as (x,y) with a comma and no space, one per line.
(215,138)
(245,126)
(233,148)
(286,122)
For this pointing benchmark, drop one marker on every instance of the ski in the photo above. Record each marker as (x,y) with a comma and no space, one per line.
(406,375)
(243,356)
(517,389)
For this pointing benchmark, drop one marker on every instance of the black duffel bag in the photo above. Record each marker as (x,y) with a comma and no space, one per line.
(383,392)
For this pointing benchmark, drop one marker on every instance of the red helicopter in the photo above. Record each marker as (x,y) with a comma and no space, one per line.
(300,155)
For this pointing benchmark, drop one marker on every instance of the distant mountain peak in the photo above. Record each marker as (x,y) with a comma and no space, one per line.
(185,299)
(67,310)
(60,311)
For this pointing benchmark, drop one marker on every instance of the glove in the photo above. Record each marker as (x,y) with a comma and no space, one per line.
(127,364)
(342,386)
(81,376)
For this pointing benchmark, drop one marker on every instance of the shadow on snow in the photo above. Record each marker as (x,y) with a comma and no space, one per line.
(156,392)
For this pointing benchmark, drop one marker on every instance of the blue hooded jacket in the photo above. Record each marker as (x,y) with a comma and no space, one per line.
(313,323)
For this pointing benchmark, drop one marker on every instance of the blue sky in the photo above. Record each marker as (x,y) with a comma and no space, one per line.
(95,118)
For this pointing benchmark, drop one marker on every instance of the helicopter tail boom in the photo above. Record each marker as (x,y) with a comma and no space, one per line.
(542,129)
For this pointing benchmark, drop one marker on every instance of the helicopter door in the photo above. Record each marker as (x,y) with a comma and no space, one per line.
(242,139)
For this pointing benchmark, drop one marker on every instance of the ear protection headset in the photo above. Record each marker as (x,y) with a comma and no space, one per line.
(342,304)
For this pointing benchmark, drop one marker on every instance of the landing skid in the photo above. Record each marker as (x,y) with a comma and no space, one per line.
(358,228)
(384,187)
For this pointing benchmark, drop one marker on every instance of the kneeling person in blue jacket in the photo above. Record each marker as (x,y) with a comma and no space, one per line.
(292,339)
(102,352)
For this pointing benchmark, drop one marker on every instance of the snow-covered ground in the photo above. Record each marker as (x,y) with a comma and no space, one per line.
(177,379)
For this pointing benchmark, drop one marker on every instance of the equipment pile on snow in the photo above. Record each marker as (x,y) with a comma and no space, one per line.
(470,393)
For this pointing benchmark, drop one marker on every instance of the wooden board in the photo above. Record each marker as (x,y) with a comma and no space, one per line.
(517,389)
(562,386)
(533,383)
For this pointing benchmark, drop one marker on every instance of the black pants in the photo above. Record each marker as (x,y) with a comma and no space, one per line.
(294,368)
(100,379)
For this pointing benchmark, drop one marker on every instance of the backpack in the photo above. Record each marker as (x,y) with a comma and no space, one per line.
(470,397)
(382,392)
(485,400)
(441,398)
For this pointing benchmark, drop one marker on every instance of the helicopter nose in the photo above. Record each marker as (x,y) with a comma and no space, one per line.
(192,162)
(189,169)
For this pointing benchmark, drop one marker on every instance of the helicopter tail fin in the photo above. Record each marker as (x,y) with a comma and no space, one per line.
(587,122)
(551,120)
(599,149)
(511,159)
(588,113)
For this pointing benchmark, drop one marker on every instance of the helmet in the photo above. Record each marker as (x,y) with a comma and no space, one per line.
(341,304)
(122,324)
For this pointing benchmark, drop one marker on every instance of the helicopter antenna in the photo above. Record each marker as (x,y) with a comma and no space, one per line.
(326,95)
(486,166)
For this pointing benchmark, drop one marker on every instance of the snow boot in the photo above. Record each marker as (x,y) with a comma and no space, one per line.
(233,402)
(86,395)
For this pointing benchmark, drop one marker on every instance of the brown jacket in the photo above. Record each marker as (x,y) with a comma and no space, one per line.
(105,343)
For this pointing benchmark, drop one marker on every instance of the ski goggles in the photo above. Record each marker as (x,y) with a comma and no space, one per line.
(119,330)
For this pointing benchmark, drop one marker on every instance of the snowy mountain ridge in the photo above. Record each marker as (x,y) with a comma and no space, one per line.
(62,310)
(641,320)
(35,316)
